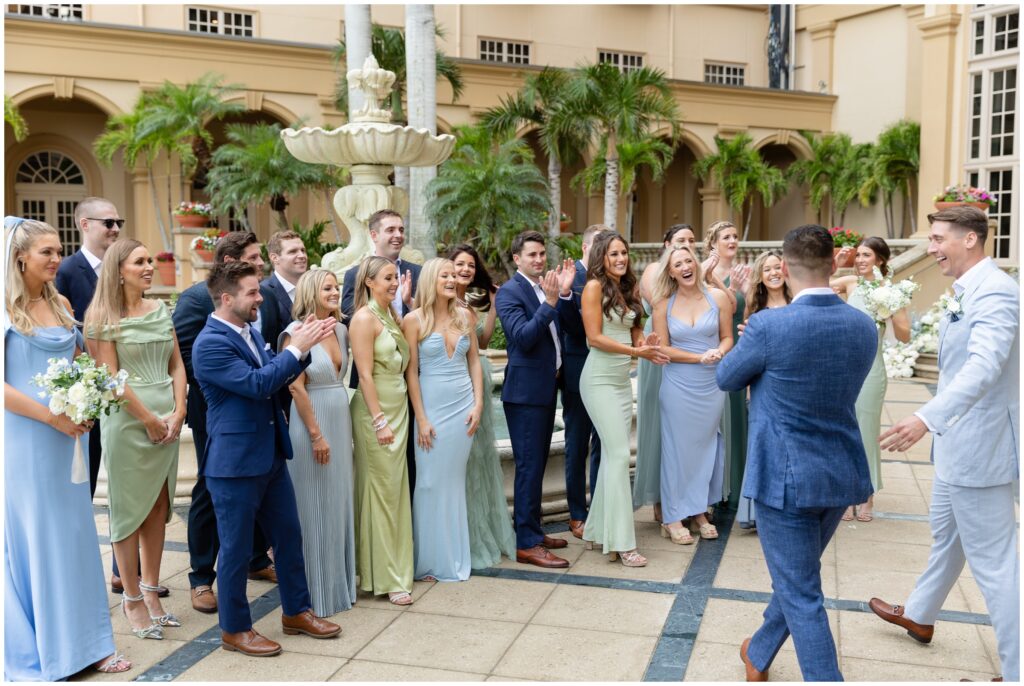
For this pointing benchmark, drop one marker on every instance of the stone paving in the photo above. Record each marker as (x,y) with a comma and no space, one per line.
(680,618)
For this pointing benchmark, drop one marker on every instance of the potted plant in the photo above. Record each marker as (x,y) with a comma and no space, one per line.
(962,194)
(165,268)
(845,238)
(204,245)
(193,215)
(564,221)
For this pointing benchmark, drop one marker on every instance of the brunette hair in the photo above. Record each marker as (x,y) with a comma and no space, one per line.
(809,248)
(224,278)
(674,229)
(480,300)
(711,236)
(965,218)
(234,244)
(526,237)
(623,296)
(373,224)
(279,237)
(107,307)
(757,292)
(882,252)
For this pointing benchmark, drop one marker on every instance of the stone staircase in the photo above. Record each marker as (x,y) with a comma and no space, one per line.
(927,368)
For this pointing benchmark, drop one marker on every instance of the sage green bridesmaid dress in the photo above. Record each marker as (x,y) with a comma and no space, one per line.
(734,423)
(137,470)
(647,480)
(869,403)
(384,552)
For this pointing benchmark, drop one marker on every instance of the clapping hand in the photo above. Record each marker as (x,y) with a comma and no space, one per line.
(406,286)
(739,276)
(708,266)
(311,331)
(566,275)
(549,284)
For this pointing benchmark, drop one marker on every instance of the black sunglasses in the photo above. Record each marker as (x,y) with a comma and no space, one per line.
(108,223)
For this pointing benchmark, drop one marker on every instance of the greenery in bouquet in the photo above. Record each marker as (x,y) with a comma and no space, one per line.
(165,256)
(842,238)
(882,297)
(80,389)
(961,192)
(208,240)
(200,209)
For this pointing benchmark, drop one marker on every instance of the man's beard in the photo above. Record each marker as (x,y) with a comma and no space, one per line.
(245,314)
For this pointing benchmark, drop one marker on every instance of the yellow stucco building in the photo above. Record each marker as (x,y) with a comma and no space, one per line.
(852,68)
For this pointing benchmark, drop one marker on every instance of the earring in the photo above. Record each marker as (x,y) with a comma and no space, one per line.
(21,265)
(122,279)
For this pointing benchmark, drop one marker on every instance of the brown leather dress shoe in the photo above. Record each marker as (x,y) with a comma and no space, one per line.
(309,624)
(203,599)
(250,643)
(576,527)
(752,673)
(116,586)
(268,573)
(894,615)
(538,555)
(551,543)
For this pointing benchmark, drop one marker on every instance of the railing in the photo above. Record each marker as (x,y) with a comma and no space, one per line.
(645,253)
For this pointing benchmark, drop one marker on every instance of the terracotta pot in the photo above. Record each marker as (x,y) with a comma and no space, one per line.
(939,205)
(166,272)
(204,255)
(847,261)
(191,221)
(563,225)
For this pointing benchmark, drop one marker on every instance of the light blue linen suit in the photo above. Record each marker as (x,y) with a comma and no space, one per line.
(805,365)
(975,420)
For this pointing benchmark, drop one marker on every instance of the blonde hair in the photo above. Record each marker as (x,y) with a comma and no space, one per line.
(307,293)
(665,286)
(369,268)
(107,307)
(426,296)
(21,238)
(711,235)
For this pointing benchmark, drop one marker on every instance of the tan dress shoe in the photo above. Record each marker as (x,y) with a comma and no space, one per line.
(552,543)
(203,599)
(576,527)
(268,573)
(753,674)
(894,615)
(309,624)
(250,643)
(539,556)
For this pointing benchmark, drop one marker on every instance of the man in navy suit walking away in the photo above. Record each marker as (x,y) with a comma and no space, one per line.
(246,451)
(805,365)
(534,307)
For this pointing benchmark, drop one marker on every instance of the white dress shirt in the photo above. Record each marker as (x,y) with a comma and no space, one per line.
(289,287)
(821,290)
(94,262)
(246,335)
(551,325)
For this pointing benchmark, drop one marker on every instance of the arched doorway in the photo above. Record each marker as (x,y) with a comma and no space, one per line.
(574,203)
(772,223)
(48,186)
(673,200)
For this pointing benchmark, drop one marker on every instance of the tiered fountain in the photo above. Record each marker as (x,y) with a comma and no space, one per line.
(370,146)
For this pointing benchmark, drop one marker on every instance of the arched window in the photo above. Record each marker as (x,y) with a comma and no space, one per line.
(48,186)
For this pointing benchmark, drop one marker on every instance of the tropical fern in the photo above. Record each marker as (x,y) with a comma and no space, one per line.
(13,117)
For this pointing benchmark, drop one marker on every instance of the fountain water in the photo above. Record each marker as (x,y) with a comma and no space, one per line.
(370,146)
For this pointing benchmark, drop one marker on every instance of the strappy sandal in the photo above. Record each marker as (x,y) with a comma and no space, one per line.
(629,558)
(401,598)
(153,631)
(679,536)
(864,516)
(848,515)
(708,532)
(165,619)
(115,665)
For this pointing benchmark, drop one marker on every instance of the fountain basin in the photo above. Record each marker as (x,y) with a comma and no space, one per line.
(365,143)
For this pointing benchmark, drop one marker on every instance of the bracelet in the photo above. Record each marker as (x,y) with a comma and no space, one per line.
(314,439)
(377,416)
(380,425)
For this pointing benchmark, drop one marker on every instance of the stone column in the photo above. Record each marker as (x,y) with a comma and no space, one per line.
(421,68)
(713,208)
(939,73)
(357,48)
(823,40)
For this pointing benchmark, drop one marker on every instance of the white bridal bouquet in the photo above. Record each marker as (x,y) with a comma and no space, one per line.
(82,391)
(882,297)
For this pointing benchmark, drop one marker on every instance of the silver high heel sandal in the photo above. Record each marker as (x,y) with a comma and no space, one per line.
(163,620)
(153,631)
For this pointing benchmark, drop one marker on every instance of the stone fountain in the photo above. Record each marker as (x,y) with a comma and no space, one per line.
(369,146)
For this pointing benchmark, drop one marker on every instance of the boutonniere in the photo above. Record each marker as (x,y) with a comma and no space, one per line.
(952,306)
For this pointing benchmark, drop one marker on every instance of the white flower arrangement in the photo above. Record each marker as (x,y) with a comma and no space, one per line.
(899,360)
(882,297)
(900,357)
(82,391)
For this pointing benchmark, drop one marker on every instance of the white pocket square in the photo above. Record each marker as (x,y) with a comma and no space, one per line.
(266,346)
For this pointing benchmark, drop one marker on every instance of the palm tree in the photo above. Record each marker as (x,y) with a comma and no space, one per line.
(535,103)
(618,107)
(13,117)
(740,171)
(836,170)
(388,46)
(487,192)
(123,133)
(254,166)
(894,167)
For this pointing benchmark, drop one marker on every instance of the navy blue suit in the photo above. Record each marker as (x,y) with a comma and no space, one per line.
(579,430)
(193,308)
(76,281)
(529,392)
(245,466)
(275,316)
(805,364)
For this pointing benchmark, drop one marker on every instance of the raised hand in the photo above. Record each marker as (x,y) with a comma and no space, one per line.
(311,331)
(549,284)
(566,275)
(407,288)
(708,266)
(739,276)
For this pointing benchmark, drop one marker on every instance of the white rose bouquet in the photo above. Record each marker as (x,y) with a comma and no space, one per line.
(882,297)
(82,391)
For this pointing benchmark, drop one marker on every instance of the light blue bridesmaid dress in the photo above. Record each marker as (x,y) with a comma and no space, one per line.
(56,618)
(440,527)
(692,448)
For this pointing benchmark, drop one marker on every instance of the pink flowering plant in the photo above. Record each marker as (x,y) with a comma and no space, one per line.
(202,209)
(961,192)
(842,238)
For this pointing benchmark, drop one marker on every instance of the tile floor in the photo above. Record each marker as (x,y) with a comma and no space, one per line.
(590,623)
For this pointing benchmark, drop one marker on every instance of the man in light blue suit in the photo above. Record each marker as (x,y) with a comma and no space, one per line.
(246,449)
(974,418)
(805,365)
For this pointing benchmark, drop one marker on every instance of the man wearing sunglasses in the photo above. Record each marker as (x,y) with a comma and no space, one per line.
(99,224)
